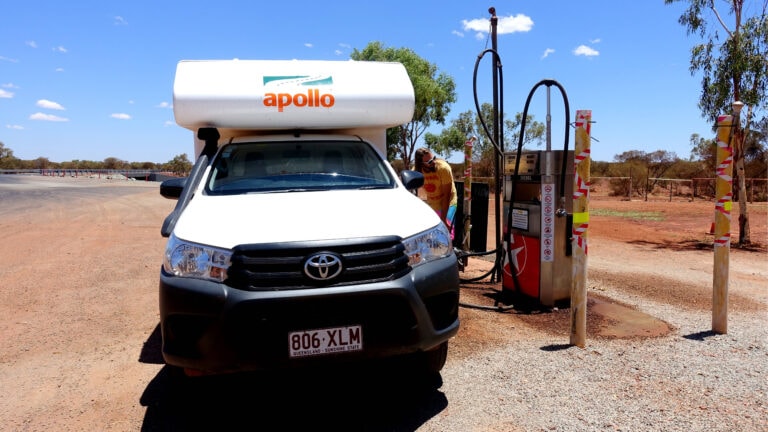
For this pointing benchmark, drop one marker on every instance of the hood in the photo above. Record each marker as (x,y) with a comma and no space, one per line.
(227,221)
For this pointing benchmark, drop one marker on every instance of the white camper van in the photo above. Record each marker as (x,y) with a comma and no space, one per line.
(293,241)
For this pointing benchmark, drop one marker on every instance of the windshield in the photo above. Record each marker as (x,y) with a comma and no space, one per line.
(282,166)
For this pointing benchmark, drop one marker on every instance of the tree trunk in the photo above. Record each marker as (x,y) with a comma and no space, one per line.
(743,213)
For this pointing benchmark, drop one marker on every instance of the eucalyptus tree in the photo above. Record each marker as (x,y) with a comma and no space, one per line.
(733,61)
(484,151)
(434,91)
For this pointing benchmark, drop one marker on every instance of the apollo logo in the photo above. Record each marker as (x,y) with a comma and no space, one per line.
(312,97)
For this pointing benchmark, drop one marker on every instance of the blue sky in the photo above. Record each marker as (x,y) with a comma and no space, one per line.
(88,80)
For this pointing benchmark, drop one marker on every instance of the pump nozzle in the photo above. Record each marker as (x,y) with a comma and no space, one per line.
(561,212)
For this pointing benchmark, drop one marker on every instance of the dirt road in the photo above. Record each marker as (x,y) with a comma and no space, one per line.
(80,344)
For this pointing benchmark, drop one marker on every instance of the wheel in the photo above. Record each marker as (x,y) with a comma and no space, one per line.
(432,361)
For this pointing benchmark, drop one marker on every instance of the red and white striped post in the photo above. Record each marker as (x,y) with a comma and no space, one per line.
(580,224)
(723,206)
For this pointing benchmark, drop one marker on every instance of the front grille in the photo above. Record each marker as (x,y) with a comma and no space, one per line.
(280,266)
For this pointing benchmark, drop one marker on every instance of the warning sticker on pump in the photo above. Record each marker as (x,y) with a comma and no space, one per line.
(325,341)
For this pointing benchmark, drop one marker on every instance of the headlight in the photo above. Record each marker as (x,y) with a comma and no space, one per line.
(186,259)
(428,246)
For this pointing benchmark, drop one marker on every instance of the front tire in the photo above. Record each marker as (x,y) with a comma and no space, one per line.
(434,359)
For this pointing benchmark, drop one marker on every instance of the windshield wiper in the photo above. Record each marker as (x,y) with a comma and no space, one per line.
(380,186)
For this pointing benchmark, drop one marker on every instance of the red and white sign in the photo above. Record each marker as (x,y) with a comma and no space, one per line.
(548,222)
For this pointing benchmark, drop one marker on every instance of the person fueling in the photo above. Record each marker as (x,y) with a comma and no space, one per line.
(439,185)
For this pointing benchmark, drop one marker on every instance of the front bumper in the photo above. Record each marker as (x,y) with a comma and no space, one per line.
(214,328)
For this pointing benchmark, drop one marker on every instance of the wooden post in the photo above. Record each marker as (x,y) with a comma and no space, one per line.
(723,205)
(580,225)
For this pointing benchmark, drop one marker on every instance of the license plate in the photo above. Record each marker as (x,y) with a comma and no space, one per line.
(325,341)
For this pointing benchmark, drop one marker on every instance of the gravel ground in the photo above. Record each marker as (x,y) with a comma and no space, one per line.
(80,351)
(691,380)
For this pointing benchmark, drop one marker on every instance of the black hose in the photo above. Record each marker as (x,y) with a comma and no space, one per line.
(498,262)
(497,148)
(496,268)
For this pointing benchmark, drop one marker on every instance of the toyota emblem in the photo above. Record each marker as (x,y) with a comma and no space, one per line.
(322,266)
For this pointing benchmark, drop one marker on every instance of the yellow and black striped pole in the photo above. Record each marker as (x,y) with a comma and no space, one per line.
(580,224)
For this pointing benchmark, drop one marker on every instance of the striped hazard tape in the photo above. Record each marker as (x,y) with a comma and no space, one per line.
(723,240)
(582,189)
(578,238)
(724,205)
(581,156)
(580,226)
(721,169)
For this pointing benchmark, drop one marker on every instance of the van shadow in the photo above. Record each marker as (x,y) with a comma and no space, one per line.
(376,396)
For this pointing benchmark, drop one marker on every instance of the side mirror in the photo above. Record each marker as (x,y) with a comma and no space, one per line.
(172,188)
(412,180)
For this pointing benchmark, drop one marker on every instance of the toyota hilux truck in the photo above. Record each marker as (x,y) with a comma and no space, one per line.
(293,241)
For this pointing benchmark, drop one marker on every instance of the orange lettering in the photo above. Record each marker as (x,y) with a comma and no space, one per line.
(313,98)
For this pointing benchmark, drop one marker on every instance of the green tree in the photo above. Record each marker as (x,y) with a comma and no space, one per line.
(634,163)
(7,160)
(484,152)
(704,150)
(179,165)
(42,163)
(756,150)
(115,163)
(734,67)
(434,92)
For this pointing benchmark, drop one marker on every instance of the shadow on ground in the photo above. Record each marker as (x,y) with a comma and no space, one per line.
(377,396)
(699,245)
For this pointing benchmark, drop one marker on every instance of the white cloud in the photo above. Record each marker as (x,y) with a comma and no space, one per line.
(4,94)
(308,45)
(457,33)
(9,85)
(15,127)
(338,52)
(31,44)
(583,50)
(504,25)
(120,116)
(120,21)
(345,45)
(595,41)
(60,49)
(169,123)
(58,69)
(10,60)
(164,105)
(514,24)
(480,25)
(43,103)
(47,117)
(547,52)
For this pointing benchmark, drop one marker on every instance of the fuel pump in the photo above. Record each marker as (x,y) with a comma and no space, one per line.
(533,250)
(538,203)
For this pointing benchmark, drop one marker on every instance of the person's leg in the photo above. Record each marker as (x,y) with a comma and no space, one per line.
(450,217)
